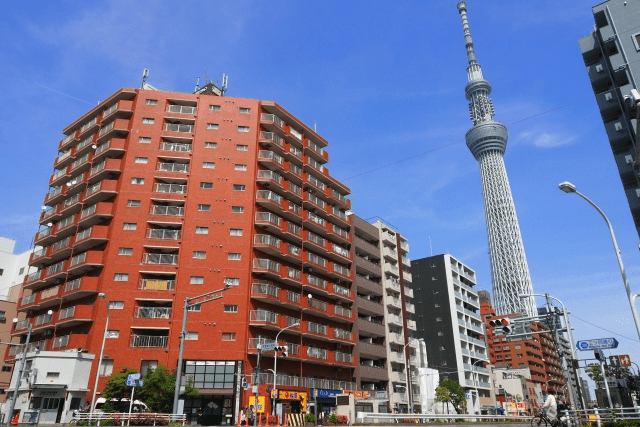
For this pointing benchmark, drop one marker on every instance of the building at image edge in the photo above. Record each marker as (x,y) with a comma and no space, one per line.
(159,196)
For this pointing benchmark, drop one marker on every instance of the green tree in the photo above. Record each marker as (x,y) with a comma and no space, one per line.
(159,386)
(593,372)
(450,391)
(115,388)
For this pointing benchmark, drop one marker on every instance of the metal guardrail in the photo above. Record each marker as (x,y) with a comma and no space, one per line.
(430,418)
(120,418)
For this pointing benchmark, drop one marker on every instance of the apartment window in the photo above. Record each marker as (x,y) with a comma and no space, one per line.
(243,129)
(496,340)
(518,346)
(234,256)
(235,232)
(145,365)
(113,333)
(438,319)
(144,140)
(1,271)
(208,165)
(206,185)
(244,110)
(443,363)
(239,187)
(196,280)
(435,292)
(507,357)
(498,357)
(519,356)
(232,281)
(137,181)
(199,254)
(214,108)
(142,160)
(434,278)
(433,264)
(241,147)
(191,336)
(133,203)
(240,167)
(636,40)
(230,308)
(498,348)
(210,145)
(148,120)
(228,336)
(440,333)
(442,348)
(116,305)
(506,348)
(6,368)
(120,277)
(151,102)
(202,230)
(19,272)
(129,226)
(106,368)
(437,304)
(237,209)
(204,208)
(212,126)
(125,251)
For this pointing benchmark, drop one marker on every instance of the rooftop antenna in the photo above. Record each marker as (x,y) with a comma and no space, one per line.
(145,74)
(430,247)
(315,127)
(225,80)
(197,84)
(206,77)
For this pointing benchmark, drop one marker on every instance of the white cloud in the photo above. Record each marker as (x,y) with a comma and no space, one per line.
(545,139)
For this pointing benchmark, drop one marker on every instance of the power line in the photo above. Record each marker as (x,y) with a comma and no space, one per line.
(462,140)
(600,327)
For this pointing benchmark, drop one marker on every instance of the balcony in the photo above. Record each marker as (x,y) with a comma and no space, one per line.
(272,123)
(107,168)
(170,188)
(162,210)
(86,261)
(149,341)
(95,213)
(63,159)
(90,237)
(111,148)
(160,259)
(181,109)
(173,167)
(271,160)
(266,177)
(152,313)
(263,317)
(316,152)
(163,233)
(80,288)
(176,147)
(67,141)
(341,199)
(100,191)
(157,285)
(174,127)
(269,139)
(116,128)
(55,195)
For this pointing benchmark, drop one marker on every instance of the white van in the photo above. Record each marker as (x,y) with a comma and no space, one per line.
(122,405)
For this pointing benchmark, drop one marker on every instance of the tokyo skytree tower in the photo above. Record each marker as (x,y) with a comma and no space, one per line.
(487,140)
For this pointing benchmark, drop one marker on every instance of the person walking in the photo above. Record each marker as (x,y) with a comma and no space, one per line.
(243,416)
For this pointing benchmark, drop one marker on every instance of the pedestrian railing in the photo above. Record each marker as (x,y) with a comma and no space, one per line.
(135,418)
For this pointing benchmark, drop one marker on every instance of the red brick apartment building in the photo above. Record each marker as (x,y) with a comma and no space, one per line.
(538,354)
(159,196)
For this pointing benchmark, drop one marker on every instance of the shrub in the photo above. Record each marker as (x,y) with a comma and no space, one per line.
(343,419)
(310,418)
(333,418)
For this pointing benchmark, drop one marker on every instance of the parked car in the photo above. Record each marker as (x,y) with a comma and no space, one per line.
(121,405)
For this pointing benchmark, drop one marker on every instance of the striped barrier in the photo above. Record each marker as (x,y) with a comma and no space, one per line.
(295,420)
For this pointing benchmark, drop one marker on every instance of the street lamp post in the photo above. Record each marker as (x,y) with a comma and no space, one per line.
(568,187)
(104,338)
(19,379)
(275,362)
(408,373)
(475,377)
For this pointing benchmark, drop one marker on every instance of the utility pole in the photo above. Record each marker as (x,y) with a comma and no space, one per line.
(256,386)
(23,359)
(189,303)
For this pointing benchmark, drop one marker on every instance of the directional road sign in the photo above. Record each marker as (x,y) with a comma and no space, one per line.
(134,376)
(268,346)
(625,361)
(598,343)
(134,383)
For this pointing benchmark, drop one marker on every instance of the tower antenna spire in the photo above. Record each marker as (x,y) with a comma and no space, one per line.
(487,140)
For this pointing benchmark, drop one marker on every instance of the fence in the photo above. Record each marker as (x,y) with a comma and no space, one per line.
(138,418)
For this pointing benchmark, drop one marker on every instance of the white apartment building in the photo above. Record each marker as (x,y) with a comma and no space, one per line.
(13,267)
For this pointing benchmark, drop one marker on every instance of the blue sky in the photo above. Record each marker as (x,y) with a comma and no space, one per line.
(384,81)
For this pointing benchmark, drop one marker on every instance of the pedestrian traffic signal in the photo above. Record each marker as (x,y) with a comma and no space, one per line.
(244,383)
(504,324)
(283,349)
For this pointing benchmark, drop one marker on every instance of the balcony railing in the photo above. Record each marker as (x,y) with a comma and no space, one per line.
(60,342)
(54,192)
(78,259)
(317,304)
(71,200)
(271,136)
(292,273)
(315,181)
(272,118)
(169,259)
(340,250)
(170,188)
(315,218)
(43,319)
(66,313)
(316,165)
(88,140)
(97,168)
(267,174)
(341,290)
(315,147)
(342,334)
(341,311)
(110,110)
(72,285)
(298,153)
(89,124)
(263,316)
(29,299)
(173,167)
(340,269)
(106,128)
(316,328)
(167,210)
(55,268)
(315,281)
(149,341)
(266,264)
(50,212)
(38,254)
(265,239)
(266,154)
(316,353)
(34,276)
(337,212)
(293,297)
(173,127)
(175,146)
(79,161)
(22,324)
(152,312)
(268,195)
(83,234)
(295,133)
(339,196)
(316,259)
(316,239)
(316,201)
(264,289)
(268,217)
(157,284)
(161,233)
(181,109)
(88,211)
(343,357)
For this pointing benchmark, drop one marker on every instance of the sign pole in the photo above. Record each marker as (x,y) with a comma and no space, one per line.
(257,386)
(606,384)
(133,391)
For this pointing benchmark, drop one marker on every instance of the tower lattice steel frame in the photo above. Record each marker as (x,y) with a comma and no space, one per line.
(487,140)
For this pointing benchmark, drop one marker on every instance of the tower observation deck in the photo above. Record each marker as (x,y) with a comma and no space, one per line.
(487,140)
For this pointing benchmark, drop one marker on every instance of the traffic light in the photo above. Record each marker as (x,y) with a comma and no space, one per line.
(244,383)
(283,349)
(504,324)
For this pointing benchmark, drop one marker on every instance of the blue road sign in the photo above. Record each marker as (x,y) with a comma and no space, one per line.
(598,343)
(134,383)
(134,376)
(268,346)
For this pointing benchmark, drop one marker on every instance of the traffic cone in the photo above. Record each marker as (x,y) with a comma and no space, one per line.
(277,420)
(259,418)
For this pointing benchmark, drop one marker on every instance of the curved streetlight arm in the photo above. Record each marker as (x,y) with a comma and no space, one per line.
(275,358)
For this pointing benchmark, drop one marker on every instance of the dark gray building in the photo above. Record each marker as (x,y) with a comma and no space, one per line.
(611,53)
(448,318)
